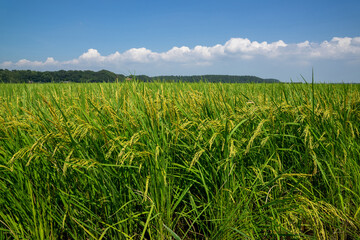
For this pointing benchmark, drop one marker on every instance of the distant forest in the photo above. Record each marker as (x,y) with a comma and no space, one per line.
(62,76)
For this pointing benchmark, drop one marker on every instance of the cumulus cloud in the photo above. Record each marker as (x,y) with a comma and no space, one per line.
(138,55)
(240,45)
(91,55)
(236,48)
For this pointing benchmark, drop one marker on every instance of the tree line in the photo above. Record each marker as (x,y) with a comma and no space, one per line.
(28,76)
(208,78)
(77,76)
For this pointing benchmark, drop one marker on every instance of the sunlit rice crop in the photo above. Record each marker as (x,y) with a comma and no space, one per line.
(179,160)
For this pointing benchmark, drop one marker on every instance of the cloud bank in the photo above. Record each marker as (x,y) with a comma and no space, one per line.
(235,49)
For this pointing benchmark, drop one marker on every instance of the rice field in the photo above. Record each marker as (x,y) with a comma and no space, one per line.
(159,160)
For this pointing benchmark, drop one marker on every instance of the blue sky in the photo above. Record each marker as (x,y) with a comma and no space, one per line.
(275,39)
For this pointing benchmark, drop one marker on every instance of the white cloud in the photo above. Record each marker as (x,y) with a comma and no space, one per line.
(140,55)
(27,63)
(50,61)
(91,55)
(176,54)
(241,49)
(303,44)
(6,64)
(355,41)
(241,45)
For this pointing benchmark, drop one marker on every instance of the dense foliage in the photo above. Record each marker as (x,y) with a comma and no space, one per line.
(208,78)
(28,76)
(137,160)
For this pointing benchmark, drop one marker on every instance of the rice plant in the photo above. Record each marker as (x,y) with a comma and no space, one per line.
(160,160)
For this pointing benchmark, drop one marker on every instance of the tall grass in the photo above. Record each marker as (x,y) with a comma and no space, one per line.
(184,161)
